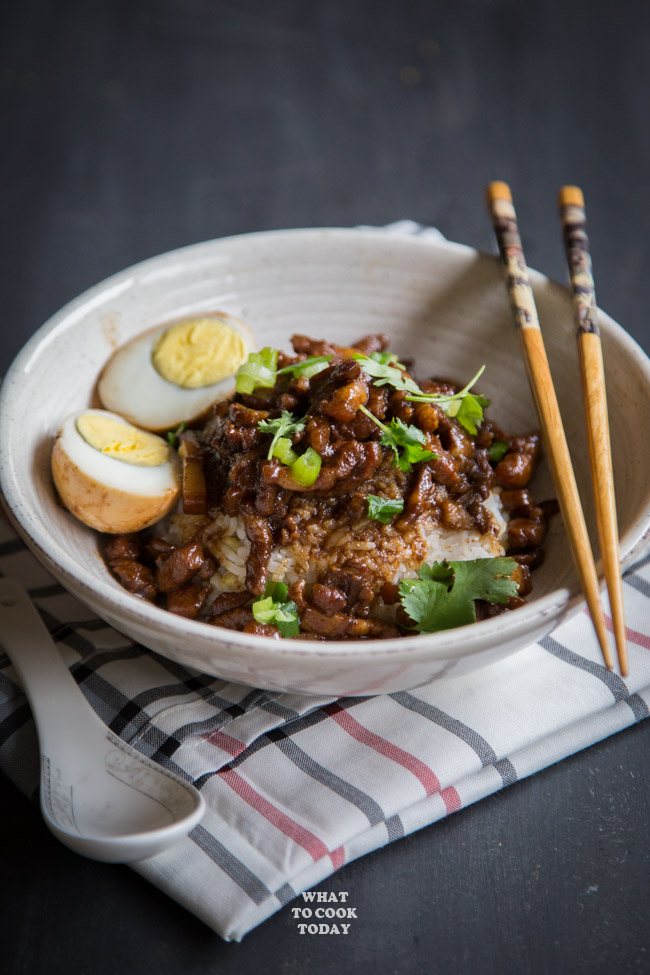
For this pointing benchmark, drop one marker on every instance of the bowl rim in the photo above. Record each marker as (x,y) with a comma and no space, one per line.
(461,642)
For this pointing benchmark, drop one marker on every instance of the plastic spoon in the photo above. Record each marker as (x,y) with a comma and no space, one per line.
(99,796)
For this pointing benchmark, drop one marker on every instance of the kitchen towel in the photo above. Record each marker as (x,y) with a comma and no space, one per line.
(295,786)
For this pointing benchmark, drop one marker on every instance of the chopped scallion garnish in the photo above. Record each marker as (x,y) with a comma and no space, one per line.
(258,370)
(306,469)
(275,608)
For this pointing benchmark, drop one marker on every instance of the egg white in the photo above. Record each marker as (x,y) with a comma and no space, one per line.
(131,385)
(106,493)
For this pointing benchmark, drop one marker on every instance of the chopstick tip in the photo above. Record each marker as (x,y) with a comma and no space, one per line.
(571,196)
(498,190)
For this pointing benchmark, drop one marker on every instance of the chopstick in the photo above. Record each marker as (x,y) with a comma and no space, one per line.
(504,220)
(572,214)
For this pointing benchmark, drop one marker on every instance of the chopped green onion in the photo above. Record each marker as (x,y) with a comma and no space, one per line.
(258,370)
(278,591)
(282,614)
(383,509)
(276,608)
(282,450)
(306,469)
(308,367)
(173,435)
(498,450)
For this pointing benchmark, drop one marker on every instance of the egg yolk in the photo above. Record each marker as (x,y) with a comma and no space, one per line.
(122,441)
(199,352)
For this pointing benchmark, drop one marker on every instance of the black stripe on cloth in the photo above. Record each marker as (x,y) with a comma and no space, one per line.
(249,882)
(280,711)
(102,690)
(8,689)
(101,658)
(282,739)
(285,893)
(365,803)
(186,675)
(483,749)
(195,680)
(135,708)
(639,708)
(639,583)
(506,770)
(193,728)
(172,742)
(615,684)
(14,721)
(394,828)
(11,547)
(65,633)
(269,737)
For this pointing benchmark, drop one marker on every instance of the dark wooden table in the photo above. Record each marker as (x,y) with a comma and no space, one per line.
(135,126)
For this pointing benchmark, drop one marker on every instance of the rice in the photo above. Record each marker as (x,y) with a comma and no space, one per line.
(388,553)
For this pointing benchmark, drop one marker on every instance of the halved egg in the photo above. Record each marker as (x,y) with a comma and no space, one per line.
(173,373)
(111,475)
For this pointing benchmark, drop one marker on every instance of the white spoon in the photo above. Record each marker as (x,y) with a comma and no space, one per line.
(98,795)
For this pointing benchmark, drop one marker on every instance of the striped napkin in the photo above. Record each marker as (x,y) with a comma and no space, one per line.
(296,787)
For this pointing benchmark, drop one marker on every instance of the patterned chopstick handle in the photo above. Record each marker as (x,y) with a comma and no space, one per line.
(504,221)
(574,223)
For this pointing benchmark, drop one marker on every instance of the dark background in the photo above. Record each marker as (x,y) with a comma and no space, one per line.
(130,128)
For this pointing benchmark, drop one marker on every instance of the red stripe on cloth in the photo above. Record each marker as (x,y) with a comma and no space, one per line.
(314,847)
(421,771)
(225,742)
(451,799)
(641,639)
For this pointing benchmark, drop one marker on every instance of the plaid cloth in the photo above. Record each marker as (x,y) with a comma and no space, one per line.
(296,787)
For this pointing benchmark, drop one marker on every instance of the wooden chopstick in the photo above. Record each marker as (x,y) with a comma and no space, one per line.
(572,214)
(504,220)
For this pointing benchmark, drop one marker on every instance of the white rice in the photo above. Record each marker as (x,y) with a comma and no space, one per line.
(389,555)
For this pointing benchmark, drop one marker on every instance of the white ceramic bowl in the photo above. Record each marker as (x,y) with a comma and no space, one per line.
(443,303)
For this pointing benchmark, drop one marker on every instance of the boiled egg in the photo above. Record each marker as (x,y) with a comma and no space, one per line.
(173,373)
(111,475)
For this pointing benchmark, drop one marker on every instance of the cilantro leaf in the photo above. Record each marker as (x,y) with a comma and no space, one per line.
(408,439)
(442,597)
(386,359)
(284,425)
(498,450)
(405,441)
(383,509)
(470,411)
(274,608)
(466,407)
(384,374)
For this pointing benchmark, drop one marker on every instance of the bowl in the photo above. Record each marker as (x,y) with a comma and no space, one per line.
(443,303)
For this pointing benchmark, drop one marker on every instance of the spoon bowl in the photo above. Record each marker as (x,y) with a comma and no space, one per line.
(99,796)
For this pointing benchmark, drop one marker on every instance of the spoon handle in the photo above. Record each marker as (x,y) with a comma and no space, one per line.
(53,693)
